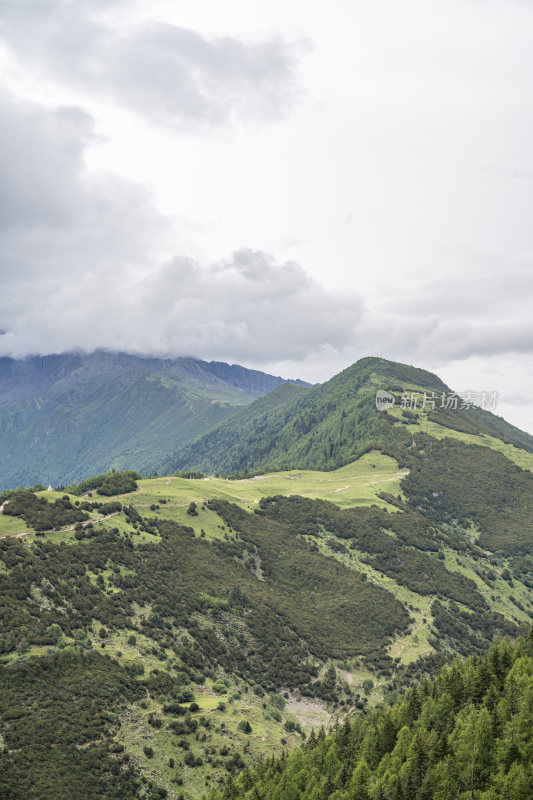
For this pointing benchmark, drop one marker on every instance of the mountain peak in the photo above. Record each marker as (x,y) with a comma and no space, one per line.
(404,374)
(331,424)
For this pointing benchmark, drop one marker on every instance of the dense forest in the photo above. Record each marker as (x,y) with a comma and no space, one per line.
(467,735)
(451,480)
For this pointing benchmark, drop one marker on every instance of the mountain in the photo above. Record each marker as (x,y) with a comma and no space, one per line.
(468,734)
(159,635)
(329,425)
(65,417)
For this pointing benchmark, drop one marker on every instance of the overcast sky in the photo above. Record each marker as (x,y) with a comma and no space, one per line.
(287,185)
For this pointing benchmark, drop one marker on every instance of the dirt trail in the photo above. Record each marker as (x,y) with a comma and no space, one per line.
(70,527)
(62,530)
(395,477)
(400,474)
(168,505)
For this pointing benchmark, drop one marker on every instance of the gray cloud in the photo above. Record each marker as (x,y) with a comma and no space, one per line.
(46,190)
(246,308)
(59,222)
(79,269)
(170,74)
(417,131)
(441,340)
(492,285)
(478,307)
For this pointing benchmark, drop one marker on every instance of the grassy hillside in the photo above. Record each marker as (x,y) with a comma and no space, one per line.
(467,466)
(63,418)
(210,621)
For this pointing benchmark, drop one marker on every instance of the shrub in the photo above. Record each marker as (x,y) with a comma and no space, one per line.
(185,696)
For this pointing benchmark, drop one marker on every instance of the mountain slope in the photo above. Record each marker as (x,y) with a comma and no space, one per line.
(159,643)
(467,735)
(66,417)
(468,466)
(154,642)
(329,425)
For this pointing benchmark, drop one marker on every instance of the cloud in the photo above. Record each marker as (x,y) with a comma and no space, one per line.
(59,221)
(417,131)
(169,74)
(247,308)
(80,271)
(478,307)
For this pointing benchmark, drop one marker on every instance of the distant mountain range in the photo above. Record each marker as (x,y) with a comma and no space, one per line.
(65,417)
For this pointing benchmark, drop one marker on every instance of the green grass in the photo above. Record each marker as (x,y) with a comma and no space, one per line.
(522,458)
(496,595)
(357,483)
(404,646)
(265,738)
(10,526)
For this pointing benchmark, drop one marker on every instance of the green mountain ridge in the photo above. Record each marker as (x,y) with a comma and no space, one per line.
(187,627)
(327,426)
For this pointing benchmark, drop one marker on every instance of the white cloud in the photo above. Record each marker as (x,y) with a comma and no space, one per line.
(247,308)
(80,266)
(165,72)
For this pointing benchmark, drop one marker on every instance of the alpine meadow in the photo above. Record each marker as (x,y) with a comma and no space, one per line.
(266,400)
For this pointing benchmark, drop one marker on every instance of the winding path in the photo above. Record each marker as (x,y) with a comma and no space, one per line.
(61,530)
